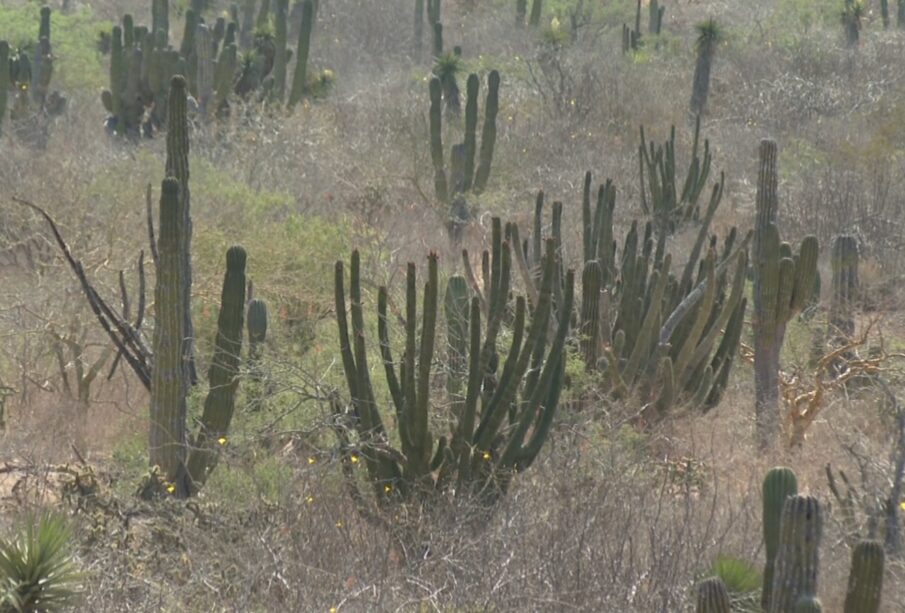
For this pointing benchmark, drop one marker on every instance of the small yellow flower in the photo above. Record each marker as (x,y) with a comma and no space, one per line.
(486,456)
(171,488)
(309,499)
(339,524)
(902,506)
(312,460)
(387,488)
(353,459)
(222,440)
(332,609)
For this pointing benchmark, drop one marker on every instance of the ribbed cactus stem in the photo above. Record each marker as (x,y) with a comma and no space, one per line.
(204,68)
(797,561)
(844,261)
(488,133)
(591,278)
(471,125)
(779,484)
(712,596)
(300,77)
(168,381)
(257,328)
(160,19)
(188,49)
(521,11)
(220,403)
(436,138)
(281,21)
(865,580)
(4,81)
(536,10)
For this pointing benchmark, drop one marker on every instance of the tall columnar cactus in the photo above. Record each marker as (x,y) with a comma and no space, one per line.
(42,65)
(169,386)
(783,284)
(844,260)
(437,45)
(482,453)
(299,79)
(220,402)
(656,17)
(537,7)
(521,12)
(188,50)
(5,81)
(865,580)
(204,69)
(797,561)
(248,23)
(779,484)
(227,65)
(488,133)
(177,165)
(281,22)
(418,44)
(709,37)
(712,596)
(160,20)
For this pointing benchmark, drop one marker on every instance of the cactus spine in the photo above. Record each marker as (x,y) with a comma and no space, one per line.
(299,79)
(223,376)
(779,484)
(713,597)
(797,561)
(865,580)
(782,286)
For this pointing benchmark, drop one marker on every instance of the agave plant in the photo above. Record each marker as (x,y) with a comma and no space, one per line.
(37,570)
(446,68)
(710,35)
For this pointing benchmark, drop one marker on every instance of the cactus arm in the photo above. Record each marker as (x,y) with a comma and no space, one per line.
(488,134)
(300,76)
(386,353)
(472,87)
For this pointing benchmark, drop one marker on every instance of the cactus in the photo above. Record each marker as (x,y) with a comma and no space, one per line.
(5,81)
(281,19)
(482,455)
(257,329)
(656,17)
(865,580)
(844,260)
(779,484)
(42,66)
(488,133)
(419,29)
(783,284)
(188,50)
(536,11)
(220,402)
(713,597)
(227,65)
(797,560)
(204,69)
(299,79)
(160,20)
(521,12)
(437,30)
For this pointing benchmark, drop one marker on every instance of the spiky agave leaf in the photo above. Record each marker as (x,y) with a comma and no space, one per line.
(37,570)
(710,34)
(447,66)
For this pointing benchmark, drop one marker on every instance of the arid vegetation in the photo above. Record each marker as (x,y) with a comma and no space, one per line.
(332,305)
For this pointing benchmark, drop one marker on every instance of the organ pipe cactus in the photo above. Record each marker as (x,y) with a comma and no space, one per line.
(712,596)
(779,484)
(783,284)
(865,580)
(797,560)
(481,454)
(220,402)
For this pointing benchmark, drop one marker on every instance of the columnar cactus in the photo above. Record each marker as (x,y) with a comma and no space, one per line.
(204,69)
(488,133)
(713,597)
(300,77)
(783,284)
(223,376)
(257,328)
(281,21)
(42,66)
(537,7)
(419,29)
(169,385)
(5,81)
(709,37)
(797,561)
(779,484)
(844,260)
(160,20)
(865,580)
(521,12)
(188,50)
(656,17)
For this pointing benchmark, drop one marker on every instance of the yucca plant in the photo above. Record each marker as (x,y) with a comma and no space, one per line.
(447,68)
(37,570)
(742,580)
(710,34)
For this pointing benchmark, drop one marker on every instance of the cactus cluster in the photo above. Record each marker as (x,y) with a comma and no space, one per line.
(783,285)
(669,338)
(26,97)
(469,168)
(501,410)
(142,63)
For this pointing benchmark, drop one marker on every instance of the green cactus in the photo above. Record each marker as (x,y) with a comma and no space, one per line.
(160,20)
(227,65)
(168,381)
(419,29)
(481,452)
(783,284)
(712,596)
(437,31)
(710,35)
(536,11)
(656,17)
(797,560)
(220,403)
(257,329)
(281,22)
(5,81)
(779,484)
(488,133)
(865,580)
(204,69)
(299,79)
(844,261)
(188,50)
(263,19)
(521,12)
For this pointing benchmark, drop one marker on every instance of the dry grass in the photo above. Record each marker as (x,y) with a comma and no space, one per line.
(610,518)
